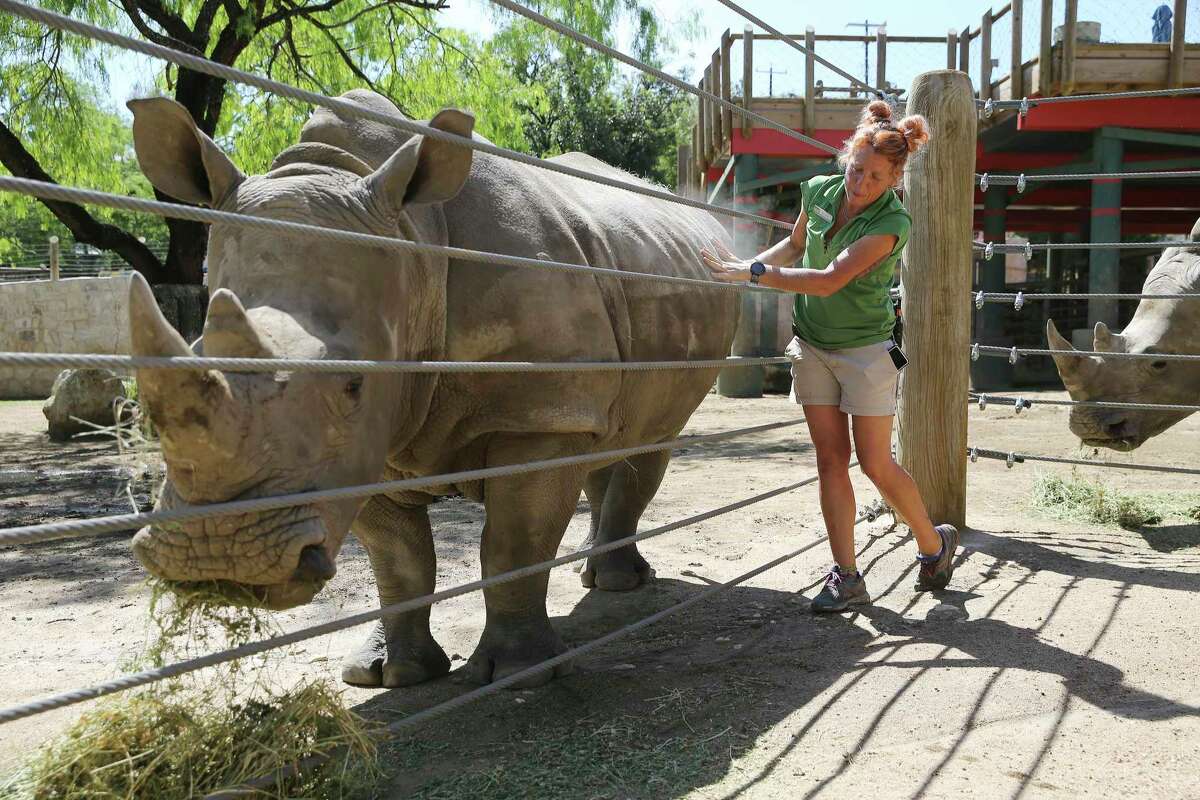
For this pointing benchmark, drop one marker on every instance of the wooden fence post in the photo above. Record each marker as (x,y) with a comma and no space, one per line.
(747,78)
(1016,80)
(53,258)
(881,57)
(1175,66)
(810,74)
(939,190)
(727,85)
(952,50)
(985,55)
(1045,50)
(1068,47)
(964,50)
(718,113)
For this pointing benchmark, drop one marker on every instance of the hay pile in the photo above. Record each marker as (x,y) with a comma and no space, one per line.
(1082,500)
(209,731)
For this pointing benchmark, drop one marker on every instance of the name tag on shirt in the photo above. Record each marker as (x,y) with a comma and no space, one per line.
(822,215)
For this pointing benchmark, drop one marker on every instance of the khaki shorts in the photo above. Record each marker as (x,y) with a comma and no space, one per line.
(860,381)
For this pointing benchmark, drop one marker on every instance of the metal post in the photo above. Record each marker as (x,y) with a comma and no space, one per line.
(939,190)
(1104,265)
(745,381)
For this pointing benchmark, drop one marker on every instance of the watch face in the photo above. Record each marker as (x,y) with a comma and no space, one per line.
(757,268)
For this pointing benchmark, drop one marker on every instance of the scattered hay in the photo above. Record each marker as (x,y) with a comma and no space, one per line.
(208,731)
(1081,500)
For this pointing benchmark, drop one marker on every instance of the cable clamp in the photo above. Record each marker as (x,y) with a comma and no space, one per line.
(1023,110)
(989,250)
(1012,459)
(1019,302)
(1013,355)
(1028,251)
(1021,183)
(1022,403)
(974,455)
(975,352)
(979,299)
(988,108)
(983,402)
(983,180)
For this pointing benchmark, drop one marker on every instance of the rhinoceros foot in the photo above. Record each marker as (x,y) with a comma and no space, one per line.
(619,571)
(509,644)
(395,661)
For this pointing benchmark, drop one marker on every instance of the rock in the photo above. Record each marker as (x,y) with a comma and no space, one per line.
(87,394)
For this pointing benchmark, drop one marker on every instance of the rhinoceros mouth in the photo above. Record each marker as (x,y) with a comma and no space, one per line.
(1123,445)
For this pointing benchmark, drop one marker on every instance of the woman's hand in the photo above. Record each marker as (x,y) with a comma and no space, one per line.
(725,266)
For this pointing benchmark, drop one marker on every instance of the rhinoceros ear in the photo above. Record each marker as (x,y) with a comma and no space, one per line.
(426,170)
(176,155)
(1105,341)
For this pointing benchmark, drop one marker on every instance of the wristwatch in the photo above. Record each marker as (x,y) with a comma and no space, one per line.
(757,270)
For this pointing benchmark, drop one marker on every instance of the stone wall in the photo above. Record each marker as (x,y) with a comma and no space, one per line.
(79,315)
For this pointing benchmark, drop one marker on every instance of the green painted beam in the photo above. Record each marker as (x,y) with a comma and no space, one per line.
(1104,265)
(796,176)
(1153,137)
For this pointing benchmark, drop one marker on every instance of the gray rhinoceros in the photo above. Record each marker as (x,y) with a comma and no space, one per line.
(238,435)
(1158,326)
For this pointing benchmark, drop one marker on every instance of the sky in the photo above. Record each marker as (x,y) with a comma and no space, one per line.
(1124,20)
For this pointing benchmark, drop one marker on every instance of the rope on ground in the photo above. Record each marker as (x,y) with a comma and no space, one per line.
(134,680)
(406,723)
(671,80)
(1012,353)
(209,67)
(52,191)
(986,179)
(1029,102)
(72,360)
(121,522)
(983,399)
(791,42)
(1011,458)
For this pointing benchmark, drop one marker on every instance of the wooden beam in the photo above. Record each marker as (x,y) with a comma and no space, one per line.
(985,56)
(727,83)
(964,50)
(810,74)
(705,125)
(951,50)
(1068,47)
(1045,51)
(1016,70)
(716,113)
(1178,46)
(794,176)
(938,191)
(1162,113)
(747,79)
(1105,226)
(1154,137)
(881,57)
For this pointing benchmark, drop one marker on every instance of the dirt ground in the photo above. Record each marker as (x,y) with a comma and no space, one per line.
(1062,661)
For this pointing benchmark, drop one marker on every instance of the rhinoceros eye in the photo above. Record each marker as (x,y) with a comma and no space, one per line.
(354,387)
(1158,364)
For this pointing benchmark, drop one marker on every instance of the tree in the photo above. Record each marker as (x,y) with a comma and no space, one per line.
(56,125)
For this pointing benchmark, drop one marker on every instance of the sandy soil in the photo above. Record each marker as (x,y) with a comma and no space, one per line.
(1061,662)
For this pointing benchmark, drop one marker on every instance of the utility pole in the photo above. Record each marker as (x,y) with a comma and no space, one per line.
(771,72)
(866,26)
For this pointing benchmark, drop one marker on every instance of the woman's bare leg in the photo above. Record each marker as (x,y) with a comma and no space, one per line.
(873,444)
(829,430)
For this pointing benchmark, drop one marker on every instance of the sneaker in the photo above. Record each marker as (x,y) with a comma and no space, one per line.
(936,574)
(841,592)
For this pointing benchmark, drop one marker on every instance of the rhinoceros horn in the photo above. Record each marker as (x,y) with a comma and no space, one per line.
(1105,341)
(181,401)
(1074,370)
(228,331)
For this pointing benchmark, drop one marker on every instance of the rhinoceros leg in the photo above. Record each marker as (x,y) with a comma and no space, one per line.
(621,494)
(526,518)
(400,650)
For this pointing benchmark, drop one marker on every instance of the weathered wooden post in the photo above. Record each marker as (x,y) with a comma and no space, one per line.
(1016,80)
(747,79)
(810,72)
(935,282)
(727,85)
(1175,62)
(717,114)
(1068,47)
(881,57)
(952,49)
(964,50)
(53,258)
(1045,49)
(985,56)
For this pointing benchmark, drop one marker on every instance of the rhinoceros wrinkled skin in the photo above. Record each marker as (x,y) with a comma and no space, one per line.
(239,435)
(1158,326)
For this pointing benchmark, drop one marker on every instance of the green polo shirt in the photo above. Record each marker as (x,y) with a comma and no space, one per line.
(860,313)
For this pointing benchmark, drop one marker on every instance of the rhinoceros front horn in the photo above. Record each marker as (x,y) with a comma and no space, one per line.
(182,402)
(1074,370)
